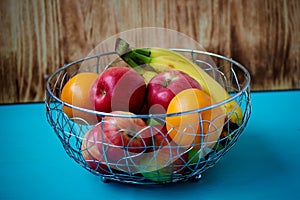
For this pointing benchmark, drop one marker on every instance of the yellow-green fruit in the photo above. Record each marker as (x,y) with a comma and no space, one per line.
(163,165)
(150,169)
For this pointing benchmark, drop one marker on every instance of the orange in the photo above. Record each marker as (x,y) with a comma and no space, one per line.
(197,129)
(76,92)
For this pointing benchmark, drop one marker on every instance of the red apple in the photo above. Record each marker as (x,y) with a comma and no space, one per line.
(91,154)
(119,141)
(118,88)
(160,137)
(159,133)
(129,133)
(164,86)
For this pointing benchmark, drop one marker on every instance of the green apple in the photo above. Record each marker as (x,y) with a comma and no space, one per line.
(195,156)
(162,165)
(151,169)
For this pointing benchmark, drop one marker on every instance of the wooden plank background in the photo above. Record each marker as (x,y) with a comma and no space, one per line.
(39,36)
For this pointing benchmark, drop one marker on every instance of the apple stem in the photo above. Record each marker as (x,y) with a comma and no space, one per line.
(166,83)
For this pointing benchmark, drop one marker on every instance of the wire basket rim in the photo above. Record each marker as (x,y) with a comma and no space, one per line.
(192,51)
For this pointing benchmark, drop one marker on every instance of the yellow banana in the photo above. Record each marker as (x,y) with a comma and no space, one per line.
(161,59)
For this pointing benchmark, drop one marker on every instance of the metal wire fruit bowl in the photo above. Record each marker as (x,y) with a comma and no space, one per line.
(154,163)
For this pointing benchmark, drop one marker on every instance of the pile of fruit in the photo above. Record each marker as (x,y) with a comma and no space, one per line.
(148,123)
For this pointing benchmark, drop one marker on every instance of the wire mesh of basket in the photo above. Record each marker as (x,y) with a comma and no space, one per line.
(151,162)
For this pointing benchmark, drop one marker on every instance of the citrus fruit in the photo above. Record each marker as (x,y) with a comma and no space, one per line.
(76,92)
(197,128)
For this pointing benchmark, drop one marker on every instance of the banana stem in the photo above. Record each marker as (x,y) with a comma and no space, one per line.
(145,52)
(122,47)
(133,65)
(135,57)
(140,58)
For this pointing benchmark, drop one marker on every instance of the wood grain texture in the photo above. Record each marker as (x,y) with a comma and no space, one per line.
(39,36)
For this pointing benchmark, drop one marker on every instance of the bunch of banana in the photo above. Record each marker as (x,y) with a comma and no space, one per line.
(150,61)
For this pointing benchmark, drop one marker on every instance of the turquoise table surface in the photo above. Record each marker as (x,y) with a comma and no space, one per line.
(263,164)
